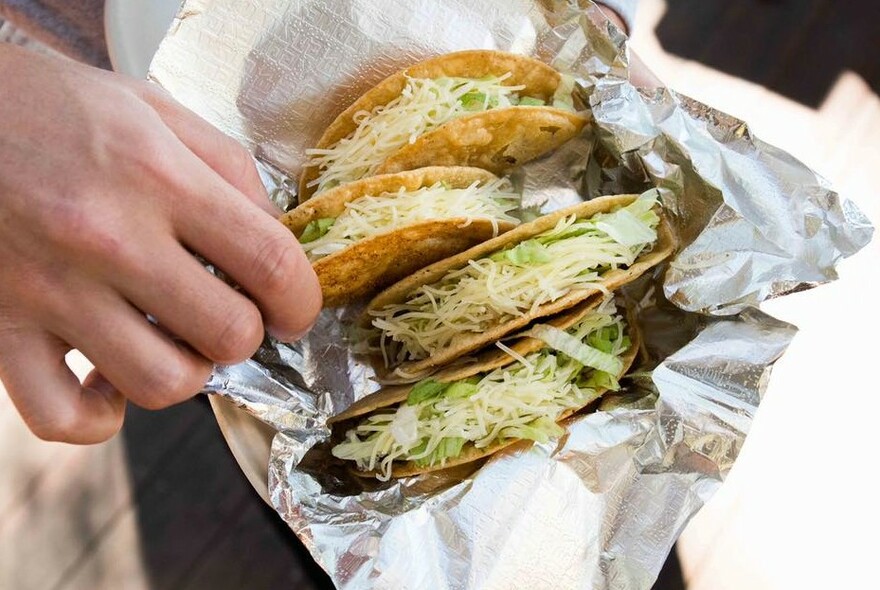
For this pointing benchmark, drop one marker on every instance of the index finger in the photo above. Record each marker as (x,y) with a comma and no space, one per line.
(255,249)
(223,154)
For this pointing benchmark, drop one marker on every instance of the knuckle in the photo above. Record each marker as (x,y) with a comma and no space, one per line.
(57,426)
(149,156)
(277,267)
(85,230)
(166,384)
(239,335)
(239,159)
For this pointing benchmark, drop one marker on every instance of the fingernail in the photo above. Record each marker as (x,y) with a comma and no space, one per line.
(284,336)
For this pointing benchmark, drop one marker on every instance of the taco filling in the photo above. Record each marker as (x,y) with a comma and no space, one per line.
(374,215)
(521,401)
(512,282)
(423,105)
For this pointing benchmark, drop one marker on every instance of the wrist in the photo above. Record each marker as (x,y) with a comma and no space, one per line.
(615,18)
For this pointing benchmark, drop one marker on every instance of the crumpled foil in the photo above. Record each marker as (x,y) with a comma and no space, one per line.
(601,507)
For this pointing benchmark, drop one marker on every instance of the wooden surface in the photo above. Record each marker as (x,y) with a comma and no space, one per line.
(164,505)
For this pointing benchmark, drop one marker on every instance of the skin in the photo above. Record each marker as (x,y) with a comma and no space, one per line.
(107,187)
(639,74)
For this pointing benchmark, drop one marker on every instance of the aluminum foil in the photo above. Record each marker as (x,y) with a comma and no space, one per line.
(601,507)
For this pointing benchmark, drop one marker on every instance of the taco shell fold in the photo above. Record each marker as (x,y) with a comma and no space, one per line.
(372,263)
(497,139)
(468,342)
(393,396)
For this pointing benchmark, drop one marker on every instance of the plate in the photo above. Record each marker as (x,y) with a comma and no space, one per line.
(134,29)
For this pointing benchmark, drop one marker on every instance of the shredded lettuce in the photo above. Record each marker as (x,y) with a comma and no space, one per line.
(523,254)
(478,101)
(373,215)
(528,101)
(423,105)
(601,379)
(448,448)
(405,426)
(540,430)
(428,389)
(522,400)
(563,97)
(425,390)
(461,389)
(508,284)
(316,228)
(571,346)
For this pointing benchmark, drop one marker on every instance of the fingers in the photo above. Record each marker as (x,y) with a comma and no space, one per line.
(50,398)
(139,360)
(640,75)
(259,253)
(223,154)
(220,323)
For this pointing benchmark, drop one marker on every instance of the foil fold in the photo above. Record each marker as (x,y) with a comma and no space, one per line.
(601,507)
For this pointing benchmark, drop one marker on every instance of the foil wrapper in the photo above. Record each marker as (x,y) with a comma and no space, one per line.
(601,507)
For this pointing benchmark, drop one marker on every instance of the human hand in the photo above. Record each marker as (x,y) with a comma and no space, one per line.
(106,186)
(639,74)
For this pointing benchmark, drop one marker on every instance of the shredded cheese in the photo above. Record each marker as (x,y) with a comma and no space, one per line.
(374,215)
(488,291)
(424,104)
(522,400)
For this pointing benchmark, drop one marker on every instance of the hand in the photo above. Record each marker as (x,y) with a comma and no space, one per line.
(106,186)
(639,74)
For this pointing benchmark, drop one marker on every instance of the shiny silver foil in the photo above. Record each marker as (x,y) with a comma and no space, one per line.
(601,507)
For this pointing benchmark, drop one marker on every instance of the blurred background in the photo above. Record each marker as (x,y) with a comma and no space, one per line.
(164,505)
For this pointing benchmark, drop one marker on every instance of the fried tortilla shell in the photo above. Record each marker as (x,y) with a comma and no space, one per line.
(395,395)
(468,342)
(488,139)
(373,263)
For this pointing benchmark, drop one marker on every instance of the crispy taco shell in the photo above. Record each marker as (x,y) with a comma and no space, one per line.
(371,264)
(497,140)
(469,342)
(395,395)
(506,140)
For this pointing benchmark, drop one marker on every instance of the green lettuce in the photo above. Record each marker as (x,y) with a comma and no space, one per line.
(540,430)
(525,253)
(448,448)
(316,228)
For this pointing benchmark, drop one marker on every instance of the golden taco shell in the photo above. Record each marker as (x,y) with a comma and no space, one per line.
(505,140)
(469,342)
(373,263)
(394,395)
(497,140)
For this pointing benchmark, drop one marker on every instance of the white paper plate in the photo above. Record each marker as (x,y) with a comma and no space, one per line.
(134,29)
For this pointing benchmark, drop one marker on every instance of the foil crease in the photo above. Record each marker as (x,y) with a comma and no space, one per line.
(601,507)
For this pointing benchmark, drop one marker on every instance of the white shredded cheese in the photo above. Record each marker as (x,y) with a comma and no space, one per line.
(491,290)
(424,104)
(529,394)
(374,215)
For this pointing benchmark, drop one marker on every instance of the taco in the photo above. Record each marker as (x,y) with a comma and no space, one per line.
(365,235)
(488,109)
(464,414)
(463,303)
